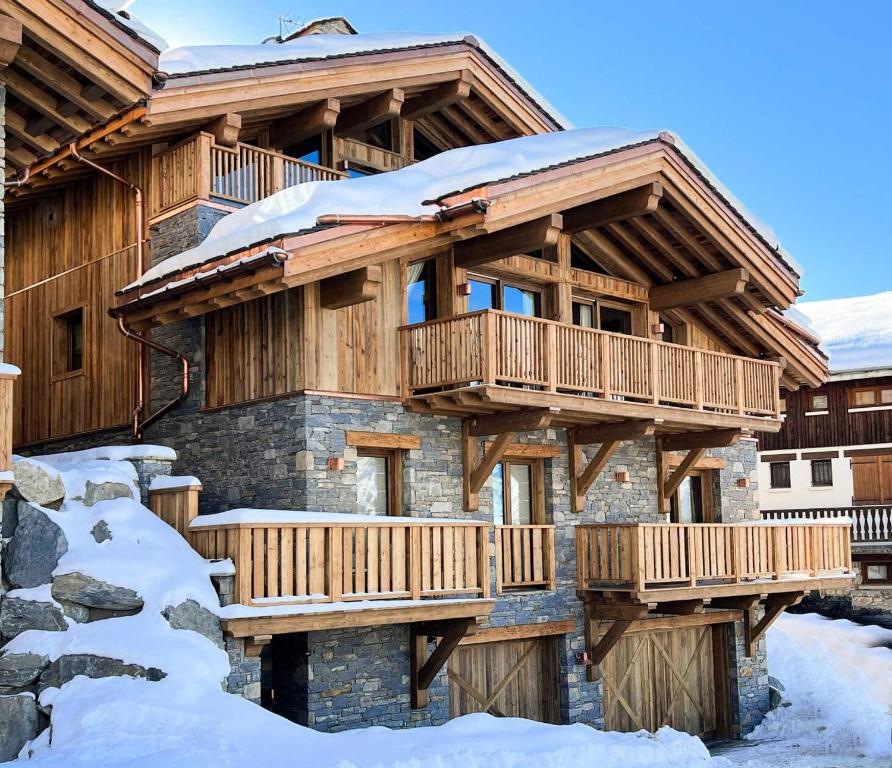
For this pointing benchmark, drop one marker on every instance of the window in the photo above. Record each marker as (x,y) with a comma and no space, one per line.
(780,474)
(495,294)
(517,492)
(693,501)
(421,291)
(309,150)
(606,317)
(668,334)
(869,397)
(876,572)
(378,481)
(68,342)
(817,401)
(822,473)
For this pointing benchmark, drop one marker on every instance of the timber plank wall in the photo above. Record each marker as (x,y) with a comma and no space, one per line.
(838,427)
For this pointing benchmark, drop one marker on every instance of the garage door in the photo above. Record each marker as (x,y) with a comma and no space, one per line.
(512,678)
(658,678)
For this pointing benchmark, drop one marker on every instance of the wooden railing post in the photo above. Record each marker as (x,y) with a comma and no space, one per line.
(551,356)
(405,372)
(6,423)
(777,550)
(582,564)
(655,372)
(638,559)
(736,532)
(500,565)
(550,559)
(415,562)
(203,165)
(698,379)
(490,347)
(605,365)
(483,558)
(243,567)
(775,386)
(335,563)
(692,555)
(738,384)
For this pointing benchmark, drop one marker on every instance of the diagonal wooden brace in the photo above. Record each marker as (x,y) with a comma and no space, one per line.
(774,607)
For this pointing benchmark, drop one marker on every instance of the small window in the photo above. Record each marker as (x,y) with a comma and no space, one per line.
(521,301)
(68,342)
(867,397)
(668,334)
(494,294)
(818,401)
(780,474)
(484,295)
(589,313)
(421,291)
(378,481)
(516,497)
(877,573)
(822,473)
(615,320)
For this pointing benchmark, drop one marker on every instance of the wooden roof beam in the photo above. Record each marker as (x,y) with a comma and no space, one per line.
(626,205)
(684,293)
(10,40)
(614,259)
(64,84)
(464,126)
(716,438)
(21,157)
(36,97)
(15,126)
(356,287)
(688,241)
(652,235)
(602,433)
(305,123)
(500,423)
(524,238)
(445,95)
(371,112)
(640,250)
(225,129)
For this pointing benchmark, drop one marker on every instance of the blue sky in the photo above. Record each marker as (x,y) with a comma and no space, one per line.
(785,101)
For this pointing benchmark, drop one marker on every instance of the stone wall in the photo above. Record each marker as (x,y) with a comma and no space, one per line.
(184,230)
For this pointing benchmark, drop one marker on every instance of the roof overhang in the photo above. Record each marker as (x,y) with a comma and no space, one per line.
(688,235)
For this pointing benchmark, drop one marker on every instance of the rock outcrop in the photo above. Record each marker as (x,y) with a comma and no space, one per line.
(18,671)
(87,599)
(190,615)
(34,550)
(107,491)
(18,615)
(19,723)
(68,667)
(38,483)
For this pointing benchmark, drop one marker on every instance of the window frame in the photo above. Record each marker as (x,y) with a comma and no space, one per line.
(877,390)
(865,565)
(771,478)
(537,489)
(822,462)
(393,477)
(498,286)
(812,407)
(706,479)
(61,347)
(596,304)
(431,297)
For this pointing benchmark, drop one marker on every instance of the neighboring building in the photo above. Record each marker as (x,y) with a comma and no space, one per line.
(489,380)
(833,455)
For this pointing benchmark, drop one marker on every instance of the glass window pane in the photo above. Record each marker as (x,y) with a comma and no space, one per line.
(421,291)
(616,320)
(886,396)
(780,474)
(520,301)
(865,397)
(371,485)
(819,402)
(482,295)
(822,472)
(685,502)
(583,315)
(521,494)
(498,495)
(877,572)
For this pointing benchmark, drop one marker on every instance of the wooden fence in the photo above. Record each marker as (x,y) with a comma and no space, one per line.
(645,555)
(177,505)
(494,347)
(197,168)
(294,563)
(869,524)
(7,380)
(525,557)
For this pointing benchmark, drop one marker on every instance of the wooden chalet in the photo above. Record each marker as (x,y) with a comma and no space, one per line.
(540,392)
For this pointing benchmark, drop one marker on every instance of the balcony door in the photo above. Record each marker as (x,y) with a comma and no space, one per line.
(518,492)
(498,294)
(693,501)
(605,316)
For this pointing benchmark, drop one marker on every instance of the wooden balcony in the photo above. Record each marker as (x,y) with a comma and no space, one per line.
(491,361)
(8,375)
(870,524)
(199,169)
(525,557)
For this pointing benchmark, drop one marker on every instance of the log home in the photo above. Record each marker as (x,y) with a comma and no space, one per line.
(832,458)
(471,397)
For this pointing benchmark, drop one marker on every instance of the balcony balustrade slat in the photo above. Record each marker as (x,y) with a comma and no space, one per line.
(868,524)
(525,556)
(494,347)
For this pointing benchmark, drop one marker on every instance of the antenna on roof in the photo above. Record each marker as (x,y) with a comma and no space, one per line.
(286,26)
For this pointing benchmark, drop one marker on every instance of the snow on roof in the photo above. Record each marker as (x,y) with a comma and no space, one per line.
(285,516)
(119,10)
(855,332)
(409,190)
(200,59)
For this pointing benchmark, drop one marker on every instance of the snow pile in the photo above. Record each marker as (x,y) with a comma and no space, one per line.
(120,9)
(838,680)
(855,332)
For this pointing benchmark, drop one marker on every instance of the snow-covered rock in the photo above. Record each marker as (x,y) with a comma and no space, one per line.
(18,615)
(190,615)
(100,599)
(106,491)
(37,482)
(70,666)
(19,670)
(35,548)
(18,723)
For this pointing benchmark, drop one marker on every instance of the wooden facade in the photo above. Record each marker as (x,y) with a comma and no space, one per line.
(843,424)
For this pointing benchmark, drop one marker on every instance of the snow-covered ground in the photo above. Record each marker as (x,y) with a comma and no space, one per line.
(838,679)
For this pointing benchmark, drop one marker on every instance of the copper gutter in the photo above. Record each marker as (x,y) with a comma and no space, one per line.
(26,174)
(137,426)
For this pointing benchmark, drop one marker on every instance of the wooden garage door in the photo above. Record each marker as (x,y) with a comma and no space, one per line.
(512,678)
(658,678)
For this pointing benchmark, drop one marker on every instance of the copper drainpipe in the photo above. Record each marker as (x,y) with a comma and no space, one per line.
(138,425)
(26,174)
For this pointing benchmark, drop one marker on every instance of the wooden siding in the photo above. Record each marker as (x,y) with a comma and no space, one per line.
(838,427)
(872,479)
(83,236)
(286,342)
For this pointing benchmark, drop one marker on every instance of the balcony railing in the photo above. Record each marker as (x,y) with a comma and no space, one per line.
(197,168)
(639,556)
(524,557)
(369,559)
(869,524)
(8,375)
(493,347)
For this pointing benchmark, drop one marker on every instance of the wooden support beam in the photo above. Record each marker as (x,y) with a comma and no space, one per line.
(774,607)
(308,122)
(522,421)
(10,39)
(225,129)
(424,667)
(523,238)
(683,607)
(626,205)
(444,95)
(15,126)
(684,293)
(623,616)
(625,430)
(356,287)
(35,96)
(255,645)
(370,112)
(716,438)
(675,479)
(474,472)
(738,602)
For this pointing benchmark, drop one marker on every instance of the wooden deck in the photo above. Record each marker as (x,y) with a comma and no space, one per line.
(488,361)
